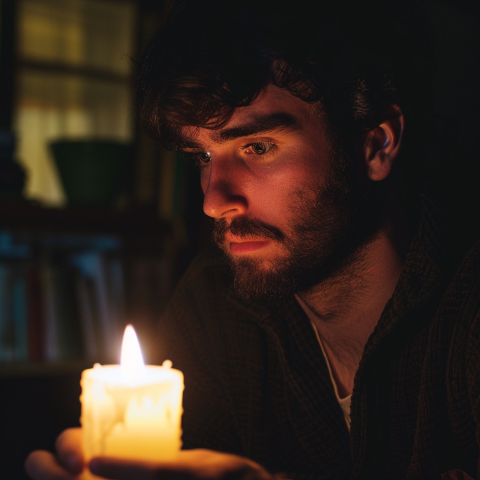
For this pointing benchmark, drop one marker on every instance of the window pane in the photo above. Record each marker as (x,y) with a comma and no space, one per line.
(53,106)
(94,36)
(88,33)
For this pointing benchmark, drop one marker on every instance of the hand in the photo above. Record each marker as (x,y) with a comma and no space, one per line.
(66,465)
(191,465)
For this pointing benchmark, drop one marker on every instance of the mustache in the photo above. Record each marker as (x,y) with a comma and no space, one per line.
(245,228)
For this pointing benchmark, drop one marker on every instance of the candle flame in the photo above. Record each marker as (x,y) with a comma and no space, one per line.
(131,360)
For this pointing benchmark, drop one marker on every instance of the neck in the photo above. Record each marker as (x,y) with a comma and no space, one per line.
(345,309)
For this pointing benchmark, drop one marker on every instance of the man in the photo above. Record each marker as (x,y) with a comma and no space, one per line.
(339,339)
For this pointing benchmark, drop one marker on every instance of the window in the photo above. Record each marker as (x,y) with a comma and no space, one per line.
(72,81)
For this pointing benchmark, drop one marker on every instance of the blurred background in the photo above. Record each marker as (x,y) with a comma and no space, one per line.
(97,222)
(83,251)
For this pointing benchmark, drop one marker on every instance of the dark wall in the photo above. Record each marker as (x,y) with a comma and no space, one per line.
(457,103)
(33,410)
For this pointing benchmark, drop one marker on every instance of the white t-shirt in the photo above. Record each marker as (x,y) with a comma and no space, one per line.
(344,402)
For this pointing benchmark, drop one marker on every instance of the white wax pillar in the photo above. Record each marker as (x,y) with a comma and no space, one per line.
(134,416)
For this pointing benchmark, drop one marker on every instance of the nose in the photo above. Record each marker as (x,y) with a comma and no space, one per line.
(223,187)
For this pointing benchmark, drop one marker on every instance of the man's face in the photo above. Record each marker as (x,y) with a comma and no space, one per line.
(286,214)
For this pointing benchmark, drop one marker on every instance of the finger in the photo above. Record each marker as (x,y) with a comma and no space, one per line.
(213,465)
(190,465)
(43,465)
(118,469)
(69,450)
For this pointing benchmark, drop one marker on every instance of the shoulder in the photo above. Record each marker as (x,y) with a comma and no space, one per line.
(458,310)
(204,303)
(467,292)
(186,329)
(459,318)
(207,330)
(469,270)
(464,288)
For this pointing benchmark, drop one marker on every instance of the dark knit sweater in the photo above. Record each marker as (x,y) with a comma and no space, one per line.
(257,384)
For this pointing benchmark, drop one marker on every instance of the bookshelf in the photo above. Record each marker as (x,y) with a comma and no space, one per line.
(30,217)
(70,279)
(47,46)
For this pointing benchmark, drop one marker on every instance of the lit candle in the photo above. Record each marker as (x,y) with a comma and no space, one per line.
(131,410)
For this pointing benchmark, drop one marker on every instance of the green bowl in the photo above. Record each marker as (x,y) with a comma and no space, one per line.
(93,172)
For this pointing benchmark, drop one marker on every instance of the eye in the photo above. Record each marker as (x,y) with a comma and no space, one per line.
(260,148)
(204,157)
(200,159)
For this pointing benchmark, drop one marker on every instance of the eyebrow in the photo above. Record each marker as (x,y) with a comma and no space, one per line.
(258,124)
(280,121)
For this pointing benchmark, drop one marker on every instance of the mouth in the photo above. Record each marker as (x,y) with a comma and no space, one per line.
(240,248)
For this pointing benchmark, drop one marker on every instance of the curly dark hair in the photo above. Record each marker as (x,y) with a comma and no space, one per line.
(353,59)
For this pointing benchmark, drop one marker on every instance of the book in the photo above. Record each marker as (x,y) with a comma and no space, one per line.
(35,310)
(88,315)
(19,312)
(93,267)
(66,312)
(51,341)
(115,288)
(13,316)
(6,317)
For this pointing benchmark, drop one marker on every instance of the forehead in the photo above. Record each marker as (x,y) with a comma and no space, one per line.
(275,109)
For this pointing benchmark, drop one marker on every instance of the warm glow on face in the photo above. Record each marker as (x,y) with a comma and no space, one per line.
(131,360)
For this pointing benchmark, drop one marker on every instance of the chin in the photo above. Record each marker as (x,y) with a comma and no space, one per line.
(257,280)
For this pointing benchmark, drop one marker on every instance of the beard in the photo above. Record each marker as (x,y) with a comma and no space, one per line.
(323,241)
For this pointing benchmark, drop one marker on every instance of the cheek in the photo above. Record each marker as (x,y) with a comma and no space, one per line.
(293,177)
(274,196)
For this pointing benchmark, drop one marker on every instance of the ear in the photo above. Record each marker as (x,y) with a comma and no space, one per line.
(382,145)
